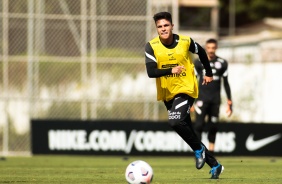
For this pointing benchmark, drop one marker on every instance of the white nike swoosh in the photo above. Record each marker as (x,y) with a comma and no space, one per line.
(253,145)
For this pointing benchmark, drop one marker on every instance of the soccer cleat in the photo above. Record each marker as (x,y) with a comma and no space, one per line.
(200,158)
(216,171)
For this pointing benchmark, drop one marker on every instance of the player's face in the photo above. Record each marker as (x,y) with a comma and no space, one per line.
(164,29)
(210,49)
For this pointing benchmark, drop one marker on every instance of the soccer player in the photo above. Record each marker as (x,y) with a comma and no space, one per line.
(168,59)
(208,103)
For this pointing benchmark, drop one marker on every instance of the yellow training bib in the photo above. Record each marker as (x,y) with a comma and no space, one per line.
(170,85)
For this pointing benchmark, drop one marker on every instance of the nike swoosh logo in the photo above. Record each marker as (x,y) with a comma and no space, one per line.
(253,145)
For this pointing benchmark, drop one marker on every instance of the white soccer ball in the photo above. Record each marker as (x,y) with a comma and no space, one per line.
(139,172)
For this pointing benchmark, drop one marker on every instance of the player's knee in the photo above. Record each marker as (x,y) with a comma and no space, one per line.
(214,119)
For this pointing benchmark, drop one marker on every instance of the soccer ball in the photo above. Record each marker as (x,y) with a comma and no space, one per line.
(139,172)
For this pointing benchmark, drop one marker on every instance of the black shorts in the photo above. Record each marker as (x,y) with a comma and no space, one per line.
(179,108)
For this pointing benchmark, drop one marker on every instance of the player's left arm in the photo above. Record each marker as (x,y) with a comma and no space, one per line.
(226,85)
(198,49)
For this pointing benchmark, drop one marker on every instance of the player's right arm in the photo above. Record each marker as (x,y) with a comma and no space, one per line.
(151,65)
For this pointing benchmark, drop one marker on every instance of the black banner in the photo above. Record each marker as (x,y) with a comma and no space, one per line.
(148,138)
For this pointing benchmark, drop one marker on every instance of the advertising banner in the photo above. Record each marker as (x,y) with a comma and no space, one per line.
(148,138)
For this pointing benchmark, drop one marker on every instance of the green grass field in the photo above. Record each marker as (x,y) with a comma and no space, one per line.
(110,170)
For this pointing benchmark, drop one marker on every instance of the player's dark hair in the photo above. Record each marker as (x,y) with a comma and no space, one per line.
(163,15)
(212,40)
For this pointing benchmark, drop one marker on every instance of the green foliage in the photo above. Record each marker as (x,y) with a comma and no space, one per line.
(62,72)
(54,73)
(117,52)
(249,11)
(195,18)
(118,70)
(64,110)
(17,72)
(259,9)
(109,169)
(122,110)
(19,7)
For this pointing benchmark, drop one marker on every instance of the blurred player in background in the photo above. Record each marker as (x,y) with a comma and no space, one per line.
(208,103)
(168,59)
